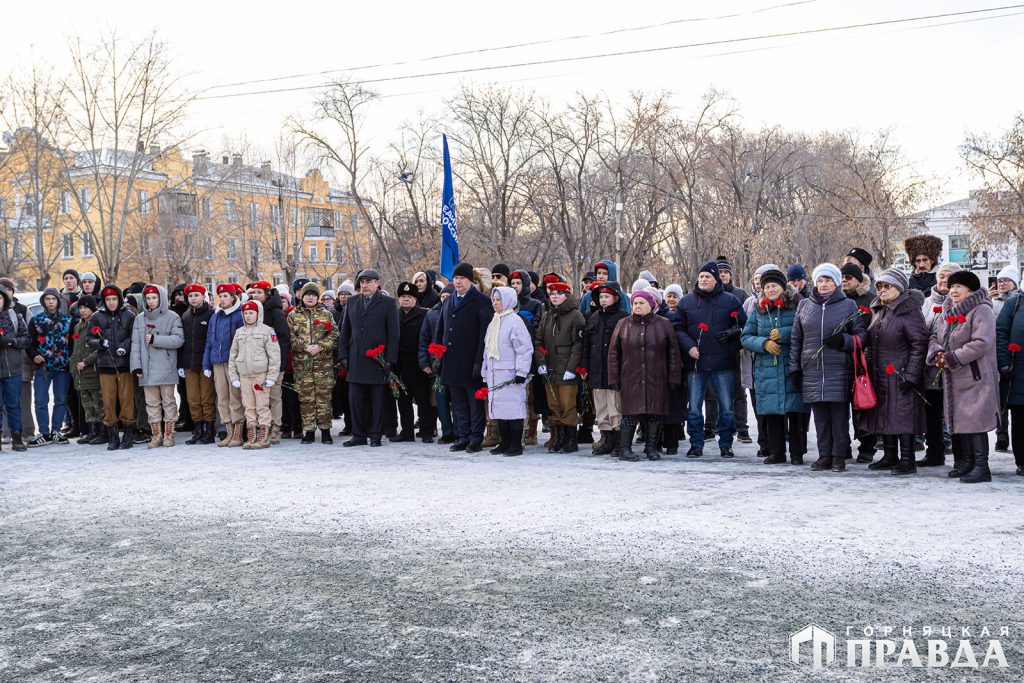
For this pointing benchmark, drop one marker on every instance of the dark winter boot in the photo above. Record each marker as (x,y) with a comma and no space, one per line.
(963,456)
(776,459)
(569,444)
(556,439)
(209,436)
(128,440)
(670,438)
(197,434)
(823,463)
(838,464)
(606,444)
(626,442)
(907,463)
(89,433)
(113,438)
(17,444)
(651,449)
(890,453)
(101,435)
(308,437)
(979,449)
(325,436)
(585,434)
(504,438)
(514,429)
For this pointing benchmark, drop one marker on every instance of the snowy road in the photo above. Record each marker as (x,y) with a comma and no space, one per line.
(408,562)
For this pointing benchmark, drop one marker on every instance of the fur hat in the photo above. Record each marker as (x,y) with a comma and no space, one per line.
(923,245)
(773,275)
(463,270)
(965,278)
(861,255)
(407,289)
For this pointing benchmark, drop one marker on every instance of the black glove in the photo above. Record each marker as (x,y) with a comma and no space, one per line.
(726,336)
(1005,374)
(836,341)
(477,370)
(906,387)
(798,377)
(520,379)
(613,387)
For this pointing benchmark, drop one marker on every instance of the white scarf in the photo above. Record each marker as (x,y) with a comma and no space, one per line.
(494,334)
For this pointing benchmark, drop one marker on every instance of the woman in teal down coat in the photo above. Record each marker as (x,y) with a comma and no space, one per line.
(779,400)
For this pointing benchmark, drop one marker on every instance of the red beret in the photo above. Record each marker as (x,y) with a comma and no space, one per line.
(516,275)
(260,284)
(150,289)
(194,288)
(558,287)
(110,291)
(251,306)
(230,288)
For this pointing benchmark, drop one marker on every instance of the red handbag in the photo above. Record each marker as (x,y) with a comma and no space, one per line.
(864,397)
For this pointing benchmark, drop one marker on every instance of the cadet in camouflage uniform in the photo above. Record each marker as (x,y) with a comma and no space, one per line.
(83,372)
(314,336)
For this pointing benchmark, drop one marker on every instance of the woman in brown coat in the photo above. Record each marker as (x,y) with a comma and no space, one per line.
(963,347)
(896,348)
(643,363)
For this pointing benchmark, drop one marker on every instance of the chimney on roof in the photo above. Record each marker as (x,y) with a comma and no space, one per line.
(154,148)
(236,160)
(265,170)
(200,159)
(140,147)
(225,159)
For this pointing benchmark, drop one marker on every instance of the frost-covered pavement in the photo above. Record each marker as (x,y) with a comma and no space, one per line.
(411,563)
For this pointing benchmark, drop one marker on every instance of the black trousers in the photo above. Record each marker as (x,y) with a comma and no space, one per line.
(184,412)
(867,441)
(420,394)
(469,415)
(832,424)
(762,429)
(779,427)
(935,445)
(291,417)
(1017,434)
(367,402)
(339,401)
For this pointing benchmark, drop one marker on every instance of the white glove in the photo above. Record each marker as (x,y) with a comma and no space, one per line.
(236,384)
(542,369)
(568,375)
(106,343)
(269,383)
(120,352)
(181,373)
(207,373)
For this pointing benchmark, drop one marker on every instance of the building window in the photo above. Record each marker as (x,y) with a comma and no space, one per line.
(17,247)
(143,201)
(356,256)
(275,249)
(207,209)
(208,247)
(232,249)
(254,251)
(65,202)
(338,219)
(355,221)
(208,283)
(340,252)
(232,277)
(254,213)
(67,246)
(275,214)
(28,208)
(85,199)
(230,210)
(295,216)
(329,283)
(86,244)
(328,253)
(144,245)
(313,253)
(960,249)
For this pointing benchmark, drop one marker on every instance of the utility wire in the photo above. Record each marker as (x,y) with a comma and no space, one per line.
(605,55)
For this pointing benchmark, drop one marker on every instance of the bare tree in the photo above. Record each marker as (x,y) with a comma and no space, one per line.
(999,163)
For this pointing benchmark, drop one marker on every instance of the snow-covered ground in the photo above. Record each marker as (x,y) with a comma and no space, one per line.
(408,562)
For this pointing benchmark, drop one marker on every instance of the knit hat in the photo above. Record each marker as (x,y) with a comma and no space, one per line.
(448,289)
(828,270)
(407,289)
(72,271)
(87,300)
(950,267)
(89,277)
(723,264)
(656,293)
(310,288)
(347,286)
(674,289)
(646,296)
(853,270)
(923,245)
(1011,272)
(711,267)
(649,276)
(299,283)
(773,275)
(965,278)
(329,294)
(639,284)
(766,267)
(895,277)
(796,272)
(463,270)
(501,269)
(861,255)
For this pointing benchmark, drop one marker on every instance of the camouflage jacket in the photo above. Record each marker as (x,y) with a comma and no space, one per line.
(310,326)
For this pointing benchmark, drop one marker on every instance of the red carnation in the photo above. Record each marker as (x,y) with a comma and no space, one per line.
(764,305)
(257,387)
(890,368)
(75,336)
(96,329)
(40,339)
(865,310)
(778,303)
(375,351)
(152,327)
(437,350)
(961,318)
(950,320)
(481,394)
(734,314)
(343,373)
(542,351)
(703,327)
(1013,348)
(936,309)
(582,372)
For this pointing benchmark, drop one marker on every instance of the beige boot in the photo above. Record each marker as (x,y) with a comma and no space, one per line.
(531,434)
(168,434)
(236,436)
(263,440)
(251,442)
(491,436)
(275,434)
(228,431)
(158,438)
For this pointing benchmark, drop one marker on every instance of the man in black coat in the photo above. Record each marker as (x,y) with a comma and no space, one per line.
(464,320)
(274,317)
(371,320)
(417,384)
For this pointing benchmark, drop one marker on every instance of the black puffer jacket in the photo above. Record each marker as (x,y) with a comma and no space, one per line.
(116,330)
(827,375)
(597,337)
(196,323)
(531,309)
(273,315)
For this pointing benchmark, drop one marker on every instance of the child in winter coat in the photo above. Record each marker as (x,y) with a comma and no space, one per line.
(195,321)
(83,372)
(253,364)
(597,335)
(156,338)
(559,349)
(225,322)
(49,332)
(13,342)
(111,335)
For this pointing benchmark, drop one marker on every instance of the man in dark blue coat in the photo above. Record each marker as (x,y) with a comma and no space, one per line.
(711,338)
(464,320)
(371,319)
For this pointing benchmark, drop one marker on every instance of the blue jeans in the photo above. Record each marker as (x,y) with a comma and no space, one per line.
(41,389)
(722,381)
(10,390)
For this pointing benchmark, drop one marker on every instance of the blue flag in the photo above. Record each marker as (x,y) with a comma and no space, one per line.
(449,226)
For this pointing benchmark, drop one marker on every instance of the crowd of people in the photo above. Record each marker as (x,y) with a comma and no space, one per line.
(924,362)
